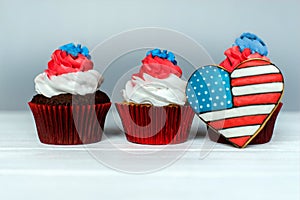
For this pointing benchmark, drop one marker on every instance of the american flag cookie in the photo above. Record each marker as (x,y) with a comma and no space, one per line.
(240,98)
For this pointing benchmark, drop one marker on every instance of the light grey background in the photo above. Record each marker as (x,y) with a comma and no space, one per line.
(30,30)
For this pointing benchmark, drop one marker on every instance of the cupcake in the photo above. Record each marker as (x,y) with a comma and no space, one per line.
(240,98)
(68,108)
(154,110)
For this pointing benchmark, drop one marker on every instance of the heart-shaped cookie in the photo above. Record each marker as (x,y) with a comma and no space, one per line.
(238,104)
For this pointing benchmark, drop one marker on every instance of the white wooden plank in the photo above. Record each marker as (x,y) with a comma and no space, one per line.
(268,171)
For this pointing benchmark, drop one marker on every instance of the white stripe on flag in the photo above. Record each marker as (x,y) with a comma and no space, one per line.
(237,112)
(255,70)
(239,131)
(257,89)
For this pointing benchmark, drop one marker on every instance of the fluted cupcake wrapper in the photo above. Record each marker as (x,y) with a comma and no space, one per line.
(69,125)
(262,137)
(147,124)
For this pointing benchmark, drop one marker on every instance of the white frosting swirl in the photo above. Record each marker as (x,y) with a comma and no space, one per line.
(158,92)
(81,83)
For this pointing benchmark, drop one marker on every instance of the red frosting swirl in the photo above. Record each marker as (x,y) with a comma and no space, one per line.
(235,57)
(158,68)
(63,63)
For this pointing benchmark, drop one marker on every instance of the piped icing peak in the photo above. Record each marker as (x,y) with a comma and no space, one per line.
(247,46)
(158,81)
(70,71)
(69,58)
(159,64)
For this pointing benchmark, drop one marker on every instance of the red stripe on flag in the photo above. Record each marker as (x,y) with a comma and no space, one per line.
(253,63)
(240,141)
(238,121)
(266,78)
(267,98)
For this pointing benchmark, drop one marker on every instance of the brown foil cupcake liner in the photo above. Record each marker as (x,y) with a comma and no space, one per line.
(69,125)
(262,137)
(147,124)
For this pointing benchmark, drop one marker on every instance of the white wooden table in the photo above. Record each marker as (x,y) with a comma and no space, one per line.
(31,170)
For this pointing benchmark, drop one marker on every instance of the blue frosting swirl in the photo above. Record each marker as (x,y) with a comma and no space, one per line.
(251,41)
(164,54)
(75,50)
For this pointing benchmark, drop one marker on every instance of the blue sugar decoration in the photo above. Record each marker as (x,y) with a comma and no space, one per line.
(74,50)
(164,54)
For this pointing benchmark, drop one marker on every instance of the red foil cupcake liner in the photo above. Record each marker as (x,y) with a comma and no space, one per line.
(262,137)
(69,125)
(146,124)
